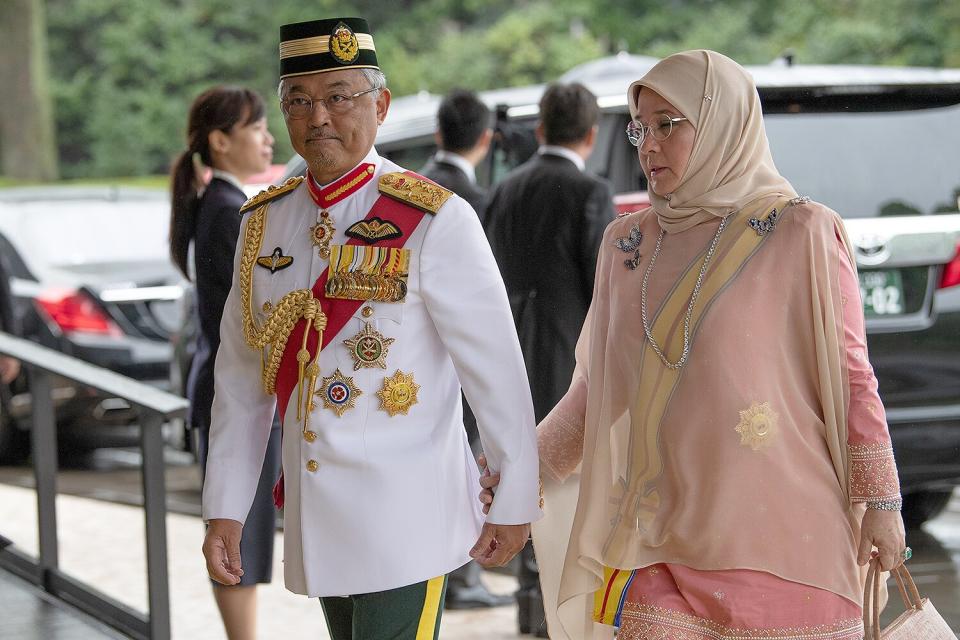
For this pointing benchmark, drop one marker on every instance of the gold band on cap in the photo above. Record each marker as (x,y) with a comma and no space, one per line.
(318,44)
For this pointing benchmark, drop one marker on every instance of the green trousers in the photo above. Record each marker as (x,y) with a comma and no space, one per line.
(406,613)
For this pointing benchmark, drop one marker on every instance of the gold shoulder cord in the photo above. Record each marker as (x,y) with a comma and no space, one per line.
(275,332)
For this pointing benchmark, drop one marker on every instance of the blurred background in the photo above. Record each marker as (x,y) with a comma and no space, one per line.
(93,102)
(109,80)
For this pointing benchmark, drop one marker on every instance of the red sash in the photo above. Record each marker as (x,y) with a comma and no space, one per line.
(338,311)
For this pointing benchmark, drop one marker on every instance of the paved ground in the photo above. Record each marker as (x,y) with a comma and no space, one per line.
(102,543)
(31,614)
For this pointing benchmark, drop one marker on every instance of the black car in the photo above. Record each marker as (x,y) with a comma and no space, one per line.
(91,277)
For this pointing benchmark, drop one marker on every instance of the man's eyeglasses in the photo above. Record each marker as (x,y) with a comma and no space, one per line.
(297,106)
(660,129)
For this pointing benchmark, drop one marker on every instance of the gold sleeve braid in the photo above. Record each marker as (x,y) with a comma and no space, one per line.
(293,306)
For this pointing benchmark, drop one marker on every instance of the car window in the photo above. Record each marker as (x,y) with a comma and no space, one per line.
(859,164)
(872,164)
(615,158)
(86,235)
(411,157)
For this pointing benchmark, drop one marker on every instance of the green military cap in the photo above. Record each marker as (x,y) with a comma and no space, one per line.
(326,45)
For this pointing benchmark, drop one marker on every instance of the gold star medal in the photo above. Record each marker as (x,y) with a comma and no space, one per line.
(321,233)
(339,393)
(369,348)
(399,393)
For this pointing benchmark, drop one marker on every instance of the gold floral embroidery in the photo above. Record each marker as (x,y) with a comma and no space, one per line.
(422,194)
(873,472)
(758,425)
(646,622)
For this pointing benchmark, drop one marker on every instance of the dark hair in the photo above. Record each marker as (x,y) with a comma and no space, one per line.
(216,109)
(462,119)
(567,113)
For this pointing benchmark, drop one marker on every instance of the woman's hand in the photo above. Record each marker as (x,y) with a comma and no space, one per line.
(488,482)
(883,530)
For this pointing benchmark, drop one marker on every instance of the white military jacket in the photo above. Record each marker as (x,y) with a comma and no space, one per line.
(379,501)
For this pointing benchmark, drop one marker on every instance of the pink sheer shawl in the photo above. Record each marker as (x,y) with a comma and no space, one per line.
(743,462)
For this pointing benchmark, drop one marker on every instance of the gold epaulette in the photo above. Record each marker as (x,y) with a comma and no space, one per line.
(270,193)
(414,190)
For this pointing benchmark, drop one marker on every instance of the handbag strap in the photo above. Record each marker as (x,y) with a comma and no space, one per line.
(871,596)
(908,588)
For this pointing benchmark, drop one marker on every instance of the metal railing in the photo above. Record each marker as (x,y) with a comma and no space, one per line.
(154,408)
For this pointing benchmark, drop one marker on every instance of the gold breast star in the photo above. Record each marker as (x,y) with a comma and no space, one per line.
(399,393)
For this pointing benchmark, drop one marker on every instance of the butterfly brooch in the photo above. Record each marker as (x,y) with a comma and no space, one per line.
(629,244)
(765,226)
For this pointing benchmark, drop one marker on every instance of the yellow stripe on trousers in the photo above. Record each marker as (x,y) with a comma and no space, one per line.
(427,630)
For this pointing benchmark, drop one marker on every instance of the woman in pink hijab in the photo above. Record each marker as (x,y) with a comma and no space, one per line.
(736,469)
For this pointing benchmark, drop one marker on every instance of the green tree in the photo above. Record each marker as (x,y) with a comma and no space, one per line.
(127,70)
(27,141)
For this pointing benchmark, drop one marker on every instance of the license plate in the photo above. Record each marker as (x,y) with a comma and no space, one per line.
(882,292)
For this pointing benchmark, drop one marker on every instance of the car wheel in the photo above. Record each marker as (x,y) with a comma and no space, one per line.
(920,506)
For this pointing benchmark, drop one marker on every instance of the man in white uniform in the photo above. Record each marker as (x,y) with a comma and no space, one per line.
(363,297)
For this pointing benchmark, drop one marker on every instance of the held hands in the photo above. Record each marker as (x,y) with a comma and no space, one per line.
(498,543)
(221,548)
(883,530)
(489,482)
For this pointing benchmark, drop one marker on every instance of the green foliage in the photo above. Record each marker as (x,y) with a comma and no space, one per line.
(125,71)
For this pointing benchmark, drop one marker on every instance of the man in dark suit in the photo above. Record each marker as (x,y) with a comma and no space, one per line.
(544,222)
(463,139)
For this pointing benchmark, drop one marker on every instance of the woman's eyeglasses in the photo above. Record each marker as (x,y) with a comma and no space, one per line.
(660,129)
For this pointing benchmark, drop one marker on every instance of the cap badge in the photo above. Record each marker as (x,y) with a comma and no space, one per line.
(343,44)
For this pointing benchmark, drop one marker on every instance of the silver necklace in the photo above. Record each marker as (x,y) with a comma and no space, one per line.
(693,299)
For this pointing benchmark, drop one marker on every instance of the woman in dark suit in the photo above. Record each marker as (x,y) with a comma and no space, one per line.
(227,139)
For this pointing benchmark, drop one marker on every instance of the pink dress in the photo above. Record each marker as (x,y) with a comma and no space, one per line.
(672,601)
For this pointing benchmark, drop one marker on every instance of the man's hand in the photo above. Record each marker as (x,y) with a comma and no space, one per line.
(221,548)
(9,369)
(498,543)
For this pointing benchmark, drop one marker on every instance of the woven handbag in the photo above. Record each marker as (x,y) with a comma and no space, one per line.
(919,622)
